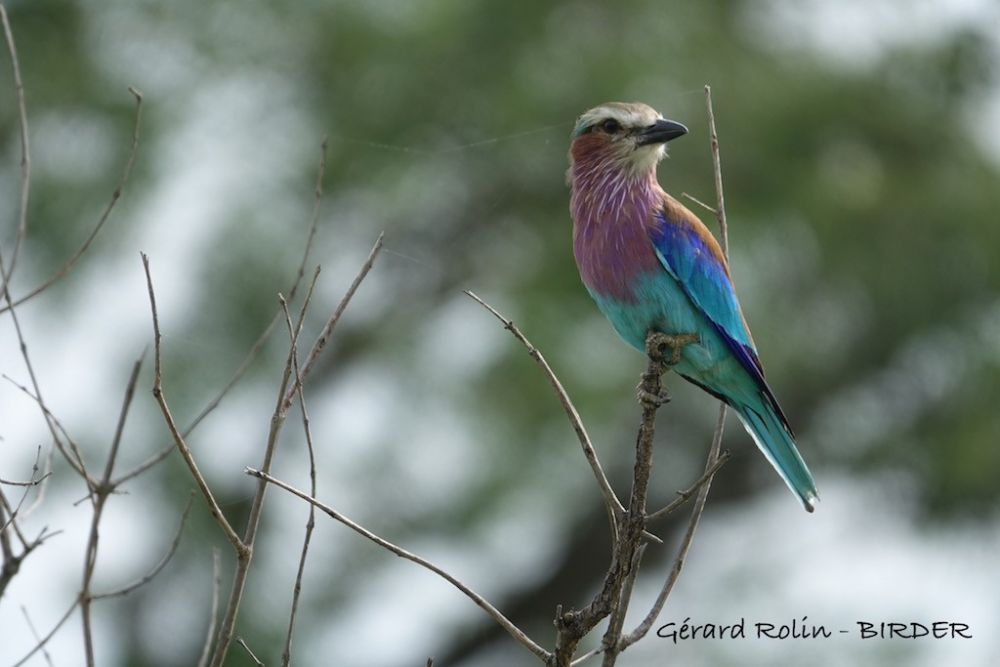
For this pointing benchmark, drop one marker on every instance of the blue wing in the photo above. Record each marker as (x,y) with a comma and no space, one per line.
(692,256)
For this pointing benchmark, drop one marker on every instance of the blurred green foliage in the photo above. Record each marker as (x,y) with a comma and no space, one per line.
(862,212)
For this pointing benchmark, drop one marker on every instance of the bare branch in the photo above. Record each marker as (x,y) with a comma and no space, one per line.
(699,202)
(182,447)
(256,661)
(612,504)
(22,116)
(485,605)
(115,196)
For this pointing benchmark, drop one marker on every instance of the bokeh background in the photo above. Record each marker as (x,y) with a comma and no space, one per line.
(861,158)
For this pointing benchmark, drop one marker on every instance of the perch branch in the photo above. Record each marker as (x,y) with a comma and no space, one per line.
(662,351)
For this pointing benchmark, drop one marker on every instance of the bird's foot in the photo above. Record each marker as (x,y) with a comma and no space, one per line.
(666,348)
(651,399)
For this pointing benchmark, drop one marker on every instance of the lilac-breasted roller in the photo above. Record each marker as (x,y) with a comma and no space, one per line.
(652,265)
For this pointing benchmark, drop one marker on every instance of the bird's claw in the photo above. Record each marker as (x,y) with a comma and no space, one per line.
(666,348)
(647,397)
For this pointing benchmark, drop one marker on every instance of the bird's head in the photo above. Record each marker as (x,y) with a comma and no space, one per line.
(630,136)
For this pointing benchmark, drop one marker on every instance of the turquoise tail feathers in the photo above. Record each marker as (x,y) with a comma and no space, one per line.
(774,439)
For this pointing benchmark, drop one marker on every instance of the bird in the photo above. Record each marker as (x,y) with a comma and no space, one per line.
(651,265)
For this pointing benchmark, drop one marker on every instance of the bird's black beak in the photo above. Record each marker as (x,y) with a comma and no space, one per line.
(660,132)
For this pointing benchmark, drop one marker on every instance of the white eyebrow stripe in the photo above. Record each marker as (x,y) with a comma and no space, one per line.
(628,116)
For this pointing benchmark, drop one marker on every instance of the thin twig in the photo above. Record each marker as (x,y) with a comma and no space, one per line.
(22,116)
(688,493)
(149,576)
(40,493)
(182,447)
(120,427)
(101,492)
(12,561)
(327,331)
(612,504)
(115,196)
(30,482)
(15,511)
(76,463)
(286,655)
(40,646)
(698,202)
(485,605)
(34,633)
(584,657)
(206,651)
(720,199)
(76,460)
(256,661)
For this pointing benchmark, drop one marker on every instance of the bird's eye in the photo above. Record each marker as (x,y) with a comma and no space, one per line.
(611,126)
